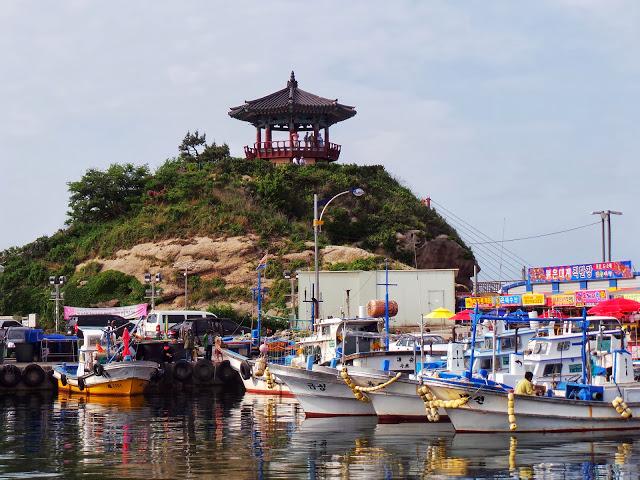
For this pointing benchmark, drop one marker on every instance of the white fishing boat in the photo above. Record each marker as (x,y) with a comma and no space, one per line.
(356,342)
(113,378)
(602,400)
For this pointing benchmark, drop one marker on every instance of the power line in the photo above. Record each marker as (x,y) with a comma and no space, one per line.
(480,233)
(539,236)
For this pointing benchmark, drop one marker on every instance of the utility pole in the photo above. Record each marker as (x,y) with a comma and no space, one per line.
(152,293)
(57,295)
(186,282)
(605,215)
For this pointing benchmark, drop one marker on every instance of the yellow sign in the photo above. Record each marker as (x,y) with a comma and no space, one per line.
(482,302)
(563,300)
(532,299)
(631,296)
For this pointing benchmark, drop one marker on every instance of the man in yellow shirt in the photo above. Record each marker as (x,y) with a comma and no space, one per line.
(525,387)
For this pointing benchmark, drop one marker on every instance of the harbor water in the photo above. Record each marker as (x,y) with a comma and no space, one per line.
(245,436)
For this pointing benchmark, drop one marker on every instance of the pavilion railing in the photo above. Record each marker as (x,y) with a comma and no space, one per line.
(293,149)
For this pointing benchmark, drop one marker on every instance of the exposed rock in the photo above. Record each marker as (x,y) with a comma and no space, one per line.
(440,252)
(336,253)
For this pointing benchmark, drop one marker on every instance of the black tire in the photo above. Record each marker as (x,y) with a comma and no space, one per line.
(33,375)
(63,380)
(81,384)
(203,370)
(225,373)
(156,376)
(246,370)
(98,369)
(10,376)
(182,370)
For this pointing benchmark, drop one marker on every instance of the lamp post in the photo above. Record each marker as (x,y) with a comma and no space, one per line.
(56,295)
(606,215)
(317,222)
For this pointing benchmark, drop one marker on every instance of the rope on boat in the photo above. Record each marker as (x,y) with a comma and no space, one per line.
(431,403)
(271,382)
(622,408)
(379,387)
(511,411)
(354,388)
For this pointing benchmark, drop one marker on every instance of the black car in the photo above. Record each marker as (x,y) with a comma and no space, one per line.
(200,326)
(76,323)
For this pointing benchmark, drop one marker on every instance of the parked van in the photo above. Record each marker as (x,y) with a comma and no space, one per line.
(166,319)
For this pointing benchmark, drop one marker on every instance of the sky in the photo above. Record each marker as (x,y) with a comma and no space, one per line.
(518,117)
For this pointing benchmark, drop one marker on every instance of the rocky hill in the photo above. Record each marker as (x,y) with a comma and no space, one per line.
(217,217)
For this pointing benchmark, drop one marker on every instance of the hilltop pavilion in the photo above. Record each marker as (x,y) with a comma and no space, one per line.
(293,110)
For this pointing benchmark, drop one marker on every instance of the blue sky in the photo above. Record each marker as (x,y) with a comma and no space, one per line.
(514,115)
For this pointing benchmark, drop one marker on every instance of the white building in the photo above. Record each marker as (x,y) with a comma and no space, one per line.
(416,291)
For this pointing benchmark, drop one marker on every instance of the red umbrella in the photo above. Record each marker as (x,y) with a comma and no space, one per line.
(615,307)
(125,340)
(463,315)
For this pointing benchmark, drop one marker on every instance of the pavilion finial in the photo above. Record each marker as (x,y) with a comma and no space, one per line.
(292,80)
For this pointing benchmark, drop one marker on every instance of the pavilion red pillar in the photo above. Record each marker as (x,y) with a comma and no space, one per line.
(326,136)
(258,136)
(267,134)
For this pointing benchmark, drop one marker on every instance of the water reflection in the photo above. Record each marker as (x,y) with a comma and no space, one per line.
(250,436)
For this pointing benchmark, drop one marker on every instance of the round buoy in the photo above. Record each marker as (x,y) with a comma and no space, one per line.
(10,376)
(246,370)
(203,370)
(33,375)
(182,370)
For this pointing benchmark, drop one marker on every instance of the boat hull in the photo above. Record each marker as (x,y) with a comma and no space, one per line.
(322,392)
(400,402)
(119,379)
(486,412)
(255,384)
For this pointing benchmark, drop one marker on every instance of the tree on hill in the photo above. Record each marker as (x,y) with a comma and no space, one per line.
(194,148)
(100,196)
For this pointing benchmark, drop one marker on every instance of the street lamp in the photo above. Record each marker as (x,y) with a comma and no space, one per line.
(56,295)
(606,215)
(317,222)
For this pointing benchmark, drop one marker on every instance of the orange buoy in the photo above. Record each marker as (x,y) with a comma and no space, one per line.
(375,308)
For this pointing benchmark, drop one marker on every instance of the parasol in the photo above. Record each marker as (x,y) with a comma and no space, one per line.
(463,315)
(443,313)
(615,307)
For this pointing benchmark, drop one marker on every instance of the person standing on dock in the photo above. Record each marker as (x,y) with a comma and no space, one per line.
(2,344)
(208,344)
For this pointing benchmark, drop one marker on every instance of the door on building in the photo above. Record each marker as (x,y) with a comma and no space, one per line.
(435,299)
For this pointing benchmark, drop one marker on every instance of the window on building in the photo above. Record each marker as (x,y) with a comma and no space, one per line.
(575,368)
(564,345)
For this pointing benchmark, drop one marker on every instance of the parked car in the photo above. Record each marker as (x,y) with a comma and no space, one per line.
(4,324)
(200,326)
(161,320)
(76,323)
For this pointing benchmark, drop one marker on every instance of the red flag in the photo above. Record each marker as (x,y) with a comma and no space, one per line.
(125,339)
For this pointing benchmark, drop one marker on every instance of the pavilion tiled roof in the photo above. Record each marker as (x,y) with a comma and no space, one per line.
(292,101)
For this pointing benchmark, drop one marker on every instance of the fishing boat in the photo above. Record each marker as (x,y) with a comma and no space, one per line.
(603,398)
(402,402)
(356,342)
(114,378)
